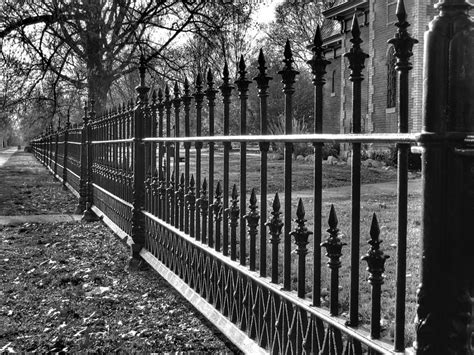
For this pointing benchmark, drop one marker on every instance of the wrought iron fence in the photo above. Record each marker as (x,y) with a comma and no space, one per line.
(220,243)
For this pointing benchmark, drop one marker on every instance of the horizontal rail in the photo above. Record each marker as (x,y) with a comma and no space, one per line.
(337,322)
(291,138)
(114,141)
(298,138)
(113,196)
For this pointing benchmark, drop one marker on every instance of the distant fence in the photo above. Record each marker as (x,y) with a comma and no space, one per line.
(222,249)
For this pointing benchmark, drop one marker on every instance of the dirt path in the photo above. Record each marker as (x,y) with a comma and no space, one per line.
(28,188)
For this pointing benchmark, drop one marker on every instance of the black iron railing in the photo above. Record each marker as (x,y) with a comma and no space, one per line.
(141,168)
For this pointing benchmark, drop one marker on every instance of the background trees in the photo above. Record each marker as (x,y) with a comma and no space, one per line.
(57,52)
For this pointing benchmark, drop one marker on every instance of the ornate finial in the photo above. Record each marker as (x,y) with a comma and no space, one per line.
(68,120)
(176,90)
(356,56)
(375,259)
(262,78)
(91,110)
(167,92)
(186,87)
(225,72)
(153,96)
(355,29)
(226,87)
(252,218)
(276,204)
(261,61)
(160,95)
(234,193)
(402,42)
(287,52)
(332,221)
(242,65)
(333,247)
(204,185)
(198,95)
(288,73)
(142,70)
(401,12)
(318,38)
(217,205)
(301,234)
(203,204)
(242,82)
(210,92)
(275,226)
(210,77)
(198,82)
(218,188)
(318,63)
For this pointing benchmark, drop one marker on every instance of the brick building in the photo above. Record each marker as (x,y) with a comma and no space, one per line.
(379,89)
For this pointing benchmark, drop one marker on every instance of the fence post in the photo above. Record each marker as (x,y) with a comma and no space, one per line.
(65,151)
(89,215)
(444,308)
(81,204)
(138,219)
(56,145)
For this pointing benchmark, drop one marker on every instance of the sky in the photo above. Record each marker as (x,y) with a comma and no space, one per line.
(266,12)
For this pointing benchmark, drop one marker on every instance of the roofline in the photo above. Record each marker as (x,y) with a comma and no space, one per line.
(346,9)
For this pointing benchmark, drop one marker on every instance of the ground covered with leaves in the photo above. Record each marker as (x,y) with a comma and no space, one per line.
(65,287)
(28,188)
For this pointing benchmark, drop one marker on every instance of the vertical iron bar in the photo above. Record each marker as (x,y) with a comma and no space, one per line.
(288,79)
(262,82)
(161,207)
(318,65)
(243,84)
(168,104)
(66,151)
(356,59)
(211,96)
(198,98)
(403,44)
(138,219)
(187,145)
(177,104)
(226,90)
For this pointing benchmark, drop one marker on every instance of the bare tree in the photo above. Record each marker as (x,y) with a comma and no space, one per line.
(92,43)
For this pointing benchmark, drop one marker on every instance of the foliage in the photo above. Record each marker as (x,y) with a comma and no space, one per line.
(331,150)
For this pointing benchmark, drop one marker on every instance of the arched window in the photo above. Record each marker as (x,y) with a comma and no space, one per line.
(333,82)
(391,78)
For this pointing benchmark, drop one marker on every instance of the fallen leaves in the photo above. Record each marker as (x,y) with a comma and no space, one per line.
(65,290)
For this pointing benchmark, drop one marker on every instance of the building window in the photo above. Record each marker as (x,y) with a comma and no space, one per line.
(391,78)
(391,10)
(333,83)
